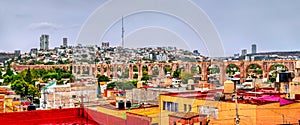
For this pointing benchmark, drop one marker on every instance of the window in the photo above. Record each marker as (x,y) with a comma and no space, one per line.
(190,108)
(165,106)
(173,107)
(170,106)
(185,108)
(211,112)
(176,107)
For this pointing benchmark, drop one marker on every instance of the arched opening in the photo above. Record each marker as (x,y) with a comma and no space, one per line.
(74,69)
(135,72)
(274,70)
(181,68)
(119,72)
(167,70)
(85,70)
(233,73)
(98,69)
(155,71)
(254,71)
(124,73)
(213,76)
(145,76)
(111,71)
(105,71)
(196,71)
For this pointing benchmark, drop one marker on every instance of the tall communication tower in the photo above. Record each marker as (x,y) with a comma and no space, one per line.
(122,33)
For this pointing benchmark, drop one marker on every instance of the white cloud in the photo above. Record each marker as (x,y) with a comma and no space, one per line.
(44,26)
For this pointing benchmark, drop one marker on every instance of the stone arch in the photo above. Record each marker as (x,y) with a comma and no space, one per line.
(111,70)
(274,69)
(254,70)
(271,67)
(167,69)
(119,71)
(125,72)
(145,72)
(135,71)
(232,69)
(155,70)
(181,68)
(213,74)
(104,70)
(196,69)
(99,69)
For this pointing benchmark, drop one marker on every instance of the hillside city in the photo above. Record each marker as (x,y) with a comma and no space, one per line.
(147,78)
(149,62)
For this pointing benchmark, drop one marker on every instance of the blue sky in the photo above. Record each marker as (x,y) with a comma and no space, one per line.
(271,24)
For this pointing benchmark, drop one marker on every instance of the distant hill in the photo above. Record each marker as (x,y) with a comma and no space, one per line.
(6,56)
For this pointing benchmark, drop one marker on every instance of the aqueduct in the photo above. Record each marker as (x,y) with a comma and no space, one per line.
(112,70)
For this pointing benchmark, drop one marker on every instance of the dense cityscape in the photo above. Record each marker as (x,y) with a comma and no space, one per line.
(109,84)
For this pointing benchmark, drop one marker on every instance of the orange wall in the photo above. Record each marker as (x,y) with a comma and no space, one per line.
(226,110)
(271,114)
(267,114)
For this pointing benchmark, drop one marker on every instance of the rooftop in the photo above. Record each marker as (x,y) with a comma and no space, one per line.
(186,115)
(256,97)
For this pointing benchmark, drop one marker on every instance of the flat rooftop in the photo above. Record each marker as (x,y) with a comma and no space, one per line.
(244,96)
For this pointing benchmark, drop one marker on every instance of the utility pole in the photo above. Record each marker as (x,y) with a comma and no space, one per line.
(123,32)
(237,119)
(282,118)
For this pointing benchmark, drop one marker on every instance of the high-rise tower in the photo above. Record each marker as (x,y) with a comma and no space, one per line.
(253,47)
(44,42)
(65,42)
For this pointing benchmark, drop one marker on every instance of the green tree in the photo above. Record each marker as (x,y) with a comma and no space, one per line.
(176,73)
(185,76)
(135,69)
(33,91)
(7,80)
(145,76)
(124,86)
(9,72)
(167,69)
(51,76)
(232,68)
(28,77)
(71,69)
(102,78)
(195,70)
(19,87)
(1,77)
(111,85)
(135,75)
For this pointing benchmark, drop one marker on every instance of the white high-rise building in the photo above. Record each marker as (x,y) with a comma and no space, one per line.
(44,42)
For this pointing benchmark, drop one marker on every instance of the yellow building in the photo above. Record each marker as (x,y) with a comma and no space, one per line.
(224,112)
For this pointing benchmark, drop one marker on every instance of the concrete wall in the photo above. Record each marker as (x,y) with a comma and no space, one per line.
(143,95)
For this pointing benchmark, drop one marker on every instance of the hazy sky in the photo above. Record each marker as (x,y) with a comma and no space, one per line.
(271,24)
